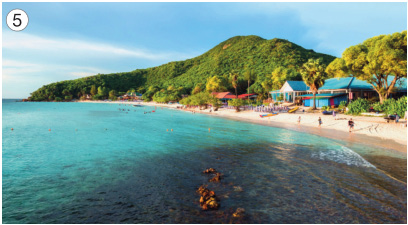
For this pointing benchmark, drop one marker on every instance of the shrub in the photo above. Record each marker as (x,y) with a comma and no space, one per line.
(58,99)
(236,102)
(324,108)
(391,106)
(358,106)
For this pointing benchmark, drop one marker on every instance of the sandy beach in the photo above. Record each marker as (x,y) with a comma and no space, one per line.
(367,130)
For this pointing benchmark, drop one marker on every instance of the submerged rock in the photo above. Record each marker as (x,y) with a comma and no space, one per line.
(216,178)
(208,199)
(239,213)
(211,170)
(238,188)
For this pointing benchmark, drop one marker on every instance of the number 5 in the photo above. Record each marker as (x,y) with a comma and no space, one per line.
(17,19)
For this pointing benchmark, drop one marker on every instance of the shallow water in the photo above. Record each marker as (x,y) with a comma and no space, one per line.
(102,165)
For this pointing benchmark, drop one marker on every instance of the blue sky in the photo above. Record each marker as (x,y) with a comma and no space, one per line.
(71,40)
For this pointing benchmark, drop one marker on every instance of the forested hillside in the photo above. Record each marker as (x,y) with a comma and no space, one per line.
(240,55)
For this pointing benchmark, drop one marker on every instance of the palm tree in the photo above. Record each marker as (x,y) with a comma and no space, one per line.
(234,81)
(313,74)
(249,76)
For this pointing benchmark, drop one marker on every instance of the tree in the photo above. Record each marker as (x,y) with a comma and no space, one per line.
(65,92)
(234,81)
(280,75)
(236,102)
(249,76)
(374,61)
(197,89)
(93,90)
(313,74)
(112,94)
(214,84)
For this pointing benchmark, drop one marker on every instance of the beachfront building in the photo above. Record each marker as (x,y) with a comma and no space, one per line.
(223,96)
(131,96)
(245,96)
(289,91)
(334,91)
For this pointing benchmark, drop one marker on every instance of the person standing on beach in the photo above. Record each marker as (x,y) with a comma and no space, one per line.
(320,121)
(351,124)
(396,117)
(298,120)
(334,115)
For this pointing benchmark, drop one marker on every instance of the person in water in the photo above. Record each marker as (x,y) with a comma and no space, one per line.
(351,124)
(320,121)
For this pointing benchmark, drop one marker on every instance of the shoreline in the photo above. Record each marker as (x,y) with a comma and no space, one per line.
(370,131)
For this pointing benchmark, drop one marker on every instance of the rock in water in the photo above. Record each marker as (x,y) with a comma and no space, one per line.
(239,213)
(211,170)
(216,178)
(208,198)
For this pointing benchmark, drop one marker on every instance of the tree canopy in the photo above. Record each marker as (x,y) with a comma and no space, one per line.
(313,74)
(374,61)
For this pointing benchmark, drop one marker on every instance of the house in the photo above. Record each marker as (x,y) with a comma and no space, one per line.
(223,96)
(245,96)
(290,90)
(131,96)
(333,91)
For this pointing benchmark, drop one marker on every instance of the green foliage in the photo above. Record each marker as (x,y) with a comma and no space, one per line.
(97,97)
(215,84)
(236,102)
(391,106)
(374,60)
(280,75)
(200,99)
(112,95)
(325,108)
(313,74)
(342,105)
(241,53)
(58,99)
(93,90)
(166,96)
(358,106)
(198,88)
(233,76)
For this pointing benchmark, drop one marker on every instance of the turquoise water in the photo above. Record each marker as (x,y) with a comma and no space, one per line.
(99,164)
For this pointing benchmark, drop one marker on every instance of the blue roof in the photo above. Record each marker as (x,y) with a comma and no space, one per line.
(298,85)
(345,83)
(322,95)
(337,83)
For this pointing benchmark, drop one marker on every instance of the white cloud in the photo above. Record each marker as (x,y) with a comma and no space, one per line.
(13,68)
(27,42)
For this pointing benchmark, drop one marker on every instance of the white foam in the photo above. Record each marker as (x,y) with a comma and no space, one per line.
(343,155)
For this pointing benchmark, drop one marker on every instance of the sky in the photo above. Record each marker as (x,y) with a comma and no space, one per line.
(65,41)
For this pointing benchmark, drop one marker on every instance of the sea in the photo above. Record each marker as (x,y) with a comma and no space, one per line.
(74,162)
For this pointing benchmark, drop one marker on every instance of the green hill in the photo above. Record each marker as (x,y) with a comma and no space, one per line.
(240,54)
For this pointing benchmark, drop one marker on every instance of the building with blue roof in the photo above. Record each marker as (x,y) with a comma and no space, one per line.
(334,91)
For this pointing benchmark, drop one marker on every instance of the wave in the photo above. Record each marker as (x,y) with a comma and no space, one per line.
(344,155)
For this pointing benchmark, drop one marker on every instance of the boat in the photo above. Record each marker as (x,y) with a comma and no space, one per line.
(327,112)
(268,115)
(293,110)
